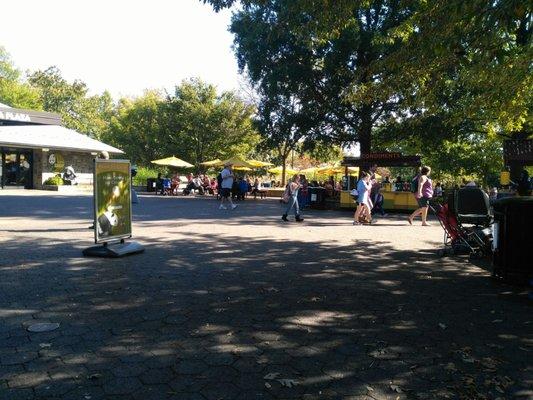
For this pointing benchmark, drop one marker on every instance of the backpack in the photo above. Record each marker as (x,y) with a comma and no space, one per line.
(414,184)
(219,181)
(286,194)
(354,193)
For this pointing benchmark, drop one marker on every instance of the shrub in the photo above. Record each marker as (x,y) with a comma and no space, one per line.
(143,173)
(54,181)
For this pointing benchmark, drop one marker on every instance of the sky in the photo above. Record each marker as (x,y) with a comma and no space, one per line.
(124,46)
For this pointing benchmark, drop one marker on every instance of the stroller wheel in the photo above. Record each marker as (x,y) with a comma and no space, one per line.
(441,253)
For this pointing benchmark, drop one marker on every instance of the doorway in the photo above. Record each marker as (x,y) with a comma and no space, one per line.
(16,168)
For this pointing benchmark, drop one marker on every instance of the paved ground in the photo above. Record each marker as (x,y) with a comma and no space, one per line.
(237,305)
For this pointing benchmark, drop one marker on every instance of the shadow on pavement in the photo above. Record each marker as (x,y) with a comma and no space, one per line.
(211,316)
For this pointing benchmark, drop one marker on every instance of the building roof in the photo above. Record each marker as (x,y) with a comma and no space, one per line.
(53,137)
(20,116)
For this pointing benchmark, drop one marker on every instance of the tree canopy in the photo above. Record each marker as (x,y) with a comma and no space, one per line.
(13,90)
(194,123)
(441,74)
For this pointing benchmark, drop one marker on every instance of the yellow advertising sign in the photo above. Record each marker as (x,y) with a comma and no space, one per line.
(112,200)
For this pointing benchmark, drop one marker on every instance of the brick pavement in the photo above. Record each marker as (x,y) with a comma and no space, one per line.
(237,305)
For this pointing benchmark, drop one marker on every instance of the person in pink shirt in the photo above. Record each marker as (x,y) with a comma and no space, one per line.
(423,194)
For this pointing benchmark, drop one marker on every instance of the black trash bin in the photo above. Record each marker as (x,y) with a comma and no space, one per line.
(513,253)
(151,184)
(317,197)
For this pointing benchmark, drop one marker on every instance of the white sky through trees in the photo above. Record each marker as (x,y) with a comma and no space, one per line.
(124,46)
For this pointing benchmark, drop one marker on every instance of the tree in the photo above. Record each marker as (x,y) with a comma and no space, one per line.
(280,126)
(205,125)
(194,123)
(278,44)
(137,128)
(470,59)
(79,111)
(13,90)
(395,68)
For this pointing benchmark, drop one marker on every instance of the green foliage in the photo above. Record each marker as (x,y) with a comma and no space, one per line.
(13,90)
(471,59)
(204,125)
(323,152)
(54,181)
(79,111)
(195,124)
(442,78)
(325,79)
(143,173)
(136,128)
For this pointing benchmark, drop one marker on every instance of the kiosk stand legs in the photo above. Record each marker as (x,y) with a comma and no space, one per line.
(114,249)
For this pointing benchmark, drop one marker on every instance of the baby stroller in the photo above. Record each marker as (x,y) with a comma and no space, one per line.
(466,221)
(165,187)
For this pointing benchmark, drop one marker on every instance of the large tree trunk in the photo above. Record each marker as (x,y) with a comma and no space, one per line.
(365,134)
(365,130)
(283,168)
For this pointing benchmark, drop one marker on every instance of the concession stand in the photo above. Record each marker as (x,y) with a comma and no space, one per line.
(517,154)
(34,146)
(396,197)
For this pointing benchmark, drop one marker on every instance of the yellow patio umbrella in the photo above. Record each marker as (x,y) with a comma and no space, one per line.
(172,162)
(259,164)
(354,171)
(242,169)
(311,170)
(212,163)
(237,162)
(330,170)
(279,171)
(338,170)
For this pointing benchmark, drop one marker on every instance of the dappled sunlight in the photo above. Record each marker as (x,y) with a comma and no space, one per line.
(230,301)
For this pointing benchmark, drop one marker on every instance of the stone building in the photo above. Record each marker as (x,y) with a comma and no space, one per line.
(34,146)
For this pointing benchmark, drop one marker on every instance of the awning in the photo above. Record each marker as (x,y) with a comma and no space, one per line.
(52,137)
(384,159)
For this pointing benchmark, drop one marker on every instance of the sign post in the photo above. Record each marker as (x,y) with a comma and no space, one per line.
(112,210)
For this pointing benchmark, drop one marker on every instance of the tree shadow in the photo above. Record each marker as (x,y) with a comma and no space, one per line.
(214,316)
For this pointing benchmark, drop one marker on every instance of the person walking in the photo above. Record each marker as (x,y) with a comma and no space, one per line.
(227,183)
(292,188)
(423,194)
(303,193)
(363,199)
(378,200)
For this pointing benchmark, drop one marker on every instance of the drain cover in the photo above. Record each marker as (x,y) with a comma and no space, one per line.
(43,327)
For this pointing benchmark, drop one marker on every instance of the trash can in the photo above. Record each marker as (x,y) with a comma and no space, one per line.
(512,239)
(317,197)
(151,184)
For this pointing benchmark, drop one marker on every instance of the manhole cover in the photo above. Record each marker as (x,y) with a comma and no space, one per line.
(43,327)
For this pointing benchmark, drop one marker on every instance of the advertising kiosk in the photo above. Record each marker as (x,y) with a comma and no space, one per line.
(112,210)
